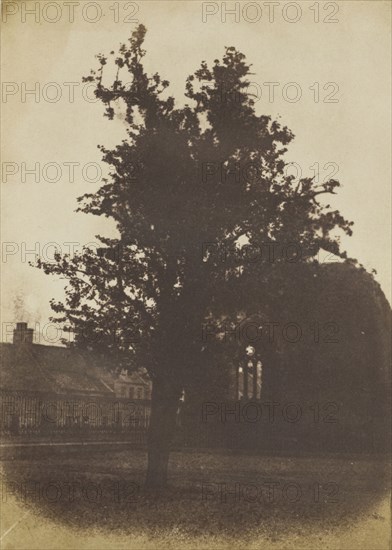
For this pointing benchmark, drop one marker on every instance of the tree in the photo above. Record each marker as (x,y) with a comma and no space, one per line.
(185,185)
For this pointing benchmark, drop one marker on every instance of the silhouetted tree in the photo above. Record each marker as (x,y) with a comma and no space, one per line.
(209,172)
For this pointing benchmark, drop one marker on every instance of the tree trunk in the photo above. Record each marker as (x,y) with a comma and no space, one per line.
(164,404)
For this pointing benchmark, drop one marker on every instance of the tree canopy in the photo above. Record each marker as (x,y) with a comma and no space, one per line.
(184,183)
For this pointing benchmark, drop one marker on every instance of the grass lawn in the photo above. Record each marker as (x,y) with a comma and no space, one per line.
(223,500)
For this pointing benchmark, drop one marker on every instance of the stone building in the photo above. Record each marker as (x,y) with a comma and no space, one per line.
(52,388)
(133,385)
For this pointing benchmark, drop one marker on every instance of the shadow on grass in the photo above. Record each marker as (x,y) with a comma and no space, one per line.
(208,494)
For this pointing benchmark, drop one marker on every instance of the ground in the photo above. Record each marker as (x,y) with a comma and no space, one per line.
(96,499)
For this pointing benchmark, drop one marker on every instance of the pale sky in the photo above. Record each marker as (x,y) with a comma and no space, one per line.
(350,58)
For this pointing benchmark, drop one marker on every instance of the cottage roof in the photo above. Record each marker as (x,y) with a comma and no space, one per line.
(134,378)
(36,367)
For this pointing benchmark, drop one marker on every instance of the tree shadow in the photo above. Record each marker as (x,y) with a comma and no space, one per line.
(214,494)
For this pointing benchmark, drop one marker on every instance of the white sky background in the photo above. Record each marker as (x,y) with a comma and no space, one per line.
(353,133)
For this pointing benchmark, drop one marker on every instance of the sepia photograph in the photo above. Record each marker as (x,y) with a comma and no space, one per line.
(195,275)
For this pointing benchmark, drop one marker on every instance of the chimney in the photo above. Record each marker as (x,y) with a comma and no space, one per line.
(22,334)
